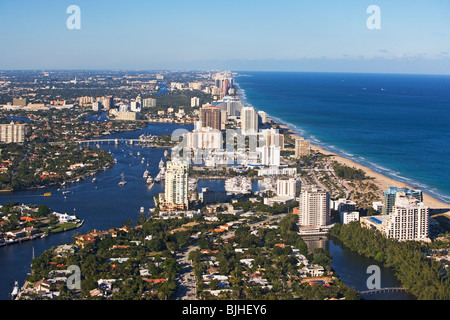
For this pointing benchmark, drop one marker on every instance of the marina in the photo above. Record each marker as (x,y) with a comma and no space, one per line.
(238,185)
(101,205)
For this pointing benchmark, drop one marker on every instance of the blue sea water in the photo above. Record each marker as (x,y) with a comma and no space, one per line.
(397,125)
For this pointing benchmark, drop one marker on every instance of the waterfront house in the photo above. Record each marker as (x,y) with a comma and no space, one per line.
(30,231)
(64,217)
(42,286)
(16,234)
(64,250)
(82,240)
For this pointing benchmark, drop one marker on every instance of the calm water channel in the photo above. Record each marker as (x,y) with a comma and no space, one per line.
(105,204)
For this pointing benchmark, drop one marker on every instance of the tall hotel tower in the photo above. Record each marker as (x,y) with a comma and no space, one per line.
(249,121)
(302,147)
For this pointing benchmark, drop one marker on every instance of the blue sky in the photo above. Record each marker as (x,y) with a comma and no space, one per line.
(239,35)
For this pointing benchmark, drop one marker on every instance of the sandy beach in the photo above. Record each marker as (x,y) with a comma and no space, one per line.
(380,180)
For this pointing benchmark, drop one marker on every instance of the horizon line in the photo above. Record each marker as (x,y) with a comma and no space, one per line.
(216,70)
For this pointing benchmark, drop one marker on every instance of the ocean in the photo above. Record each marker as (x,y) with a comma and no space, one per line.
(397,125)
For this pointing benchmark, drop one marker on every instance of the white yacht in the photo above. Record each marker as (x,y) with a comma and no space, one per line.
(15,291)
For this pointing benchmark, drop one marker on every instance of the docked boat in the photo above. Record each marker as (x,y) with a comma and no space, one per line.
(145,175)
(150,182)
(15,291)
(238,185)
(158,177)
(141,210)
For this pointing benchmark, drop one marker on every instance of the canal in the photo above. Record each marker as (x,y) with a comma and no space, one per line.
(352,268)
(104,204)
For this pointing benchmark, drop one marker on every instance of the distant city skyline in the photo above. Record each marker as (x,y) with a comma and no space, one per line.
(325,36)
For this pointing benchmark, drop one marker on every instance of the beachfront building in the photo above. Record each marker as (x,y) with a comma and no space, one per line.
(408,220)
(12,133)
(389,197)
(262,116)
(271,137)
(302,147)
(231,105)
(377,205)
(314,207)
(175,195)
(249,121)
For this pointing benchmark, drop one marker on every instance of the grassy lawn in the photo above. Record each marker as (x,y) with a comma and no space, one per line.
(61,227)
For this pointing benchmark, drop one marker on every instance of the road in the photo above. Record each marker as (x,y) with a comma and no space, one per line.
(186,284)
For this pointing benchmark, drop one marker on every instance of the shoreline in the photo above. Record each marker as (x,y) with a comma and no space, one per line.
(382,181)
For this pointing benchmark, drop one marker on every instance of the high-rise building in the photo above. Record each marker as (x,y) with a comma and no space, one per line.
(262,115)
(288,187)
(12,133)
(347,217)
(231,105)
(226,85)
(314,208)
(195,85)
(195,102)
(408,220)
(83,101)
(269,156)
(176,186)
(302,147)
(148,103)
(210,117)
(223,119)
(135,106)
(389,197)
(108,102)
(271,137)
(96,106)
(249,121)
(204,138)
